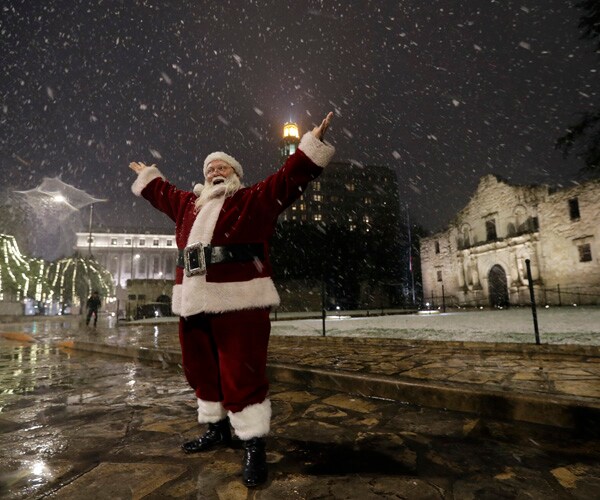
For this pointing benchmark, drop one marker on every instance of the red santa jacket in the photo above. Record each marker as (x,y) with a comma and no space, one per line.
(247,216)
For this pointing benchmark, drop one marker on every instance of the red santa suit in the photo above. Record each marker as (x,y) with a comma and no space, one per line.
(224,326)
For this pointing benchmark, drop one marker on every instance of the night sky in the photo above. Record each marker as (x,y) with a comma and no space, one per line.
(442,91)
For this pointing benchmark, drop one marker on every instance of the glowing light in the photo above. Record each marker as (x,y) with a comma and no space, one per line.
(59,198)
(39,468)
(290,129)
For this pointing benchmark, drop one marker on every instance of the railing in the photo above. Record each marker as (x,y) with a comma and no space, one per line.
(559,295)
(570,295)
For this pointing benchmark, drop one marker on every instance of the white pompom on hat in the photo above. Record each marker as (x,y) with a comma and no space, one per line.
(230,160)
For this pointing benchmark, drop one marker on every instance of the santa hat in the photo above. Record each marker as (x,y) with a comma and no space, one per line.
(230,160)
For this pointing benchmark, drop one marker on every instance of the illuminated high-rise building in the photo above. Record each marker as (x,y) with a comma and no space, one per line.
(359,205)
(352,196)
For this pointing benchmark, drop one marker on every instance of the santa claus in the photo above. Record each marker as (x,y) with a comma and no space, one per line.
(223,288)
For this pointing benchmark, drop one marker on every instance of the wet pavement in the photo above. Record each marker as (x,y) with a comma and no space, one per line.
(78,424)
(556,385)
(82,424)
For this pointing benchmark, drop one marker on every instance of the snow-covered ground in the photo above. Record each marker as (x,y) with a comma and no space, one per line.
(566,325)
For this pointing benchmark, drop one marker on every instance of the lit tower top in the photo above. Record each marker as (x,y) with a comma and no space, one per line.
(289,142)
(290,129)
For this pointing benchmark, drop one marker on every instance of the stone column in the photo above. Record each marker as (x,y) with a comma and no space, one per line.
(461,272)
(474,272)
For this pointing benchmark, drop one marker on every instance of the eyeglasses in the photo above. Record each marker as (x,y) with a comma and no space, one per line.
(219,168)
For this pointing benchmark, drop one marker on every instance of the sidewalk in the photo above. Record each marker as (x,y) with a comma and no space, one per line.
(557,385)
(77,425)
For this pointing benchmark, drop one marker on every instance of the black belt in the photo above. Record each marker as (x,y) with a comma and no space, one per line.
(195,258)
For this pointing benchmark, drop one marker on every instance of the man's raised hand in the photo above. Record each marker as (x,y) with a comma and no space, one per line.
(137,167)
(319,131)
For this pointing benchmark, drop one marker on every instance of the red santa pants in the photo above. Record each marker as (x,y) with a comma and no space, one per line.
(225,356)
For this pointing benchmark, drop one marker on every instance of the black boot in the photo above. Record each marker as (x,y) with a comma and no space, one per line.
(255,462)
(217,433)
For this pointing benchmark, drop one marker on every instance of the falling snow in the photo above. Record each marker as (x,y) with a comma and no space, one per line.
(443,95)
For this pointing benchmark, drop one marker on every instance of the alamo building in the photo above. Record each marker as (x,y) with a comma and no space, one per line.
(480,259)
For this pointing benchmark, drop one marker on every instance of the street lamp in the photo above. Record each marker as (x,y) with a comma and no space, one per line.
(90,239)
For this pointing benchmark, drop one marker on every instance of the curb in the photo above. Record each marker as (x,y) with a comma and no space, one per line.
(559,411)
(527,349)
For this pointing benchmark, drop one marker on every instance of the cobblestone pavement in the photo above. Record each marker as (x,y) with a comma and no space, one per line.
(77,425)
(555,385)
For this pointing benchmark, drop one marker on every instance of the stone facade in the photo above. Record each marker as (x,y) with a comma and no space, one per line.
(480,259)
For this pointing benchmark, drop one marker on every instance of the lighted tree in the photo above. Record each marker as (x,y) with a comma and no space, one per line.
(72,280)
(20,276)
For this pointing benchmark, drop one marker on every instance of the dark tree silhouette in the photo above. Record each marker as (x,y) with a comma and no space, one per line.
(583,138)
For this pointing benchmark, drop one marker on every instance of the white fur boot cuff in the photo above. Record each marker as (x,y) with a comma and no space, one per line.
(253,421)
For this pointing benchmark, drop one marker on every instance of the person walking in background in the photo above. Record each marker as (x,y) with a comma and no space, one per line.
(223,287)
(93,304)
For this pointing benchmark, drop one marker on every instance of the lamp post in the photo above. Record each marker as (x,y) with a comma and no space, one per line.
(90,230)
(410,263)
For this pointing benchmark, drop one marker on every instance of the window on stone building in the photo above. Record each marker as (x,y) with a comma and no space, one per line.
(574,208)
(521,221)
(585,252)
(169,243)
(155,242)
(169,265)
(142,242)
(113,241)
(439,276)
(490,230)
(127,242)
(437,247)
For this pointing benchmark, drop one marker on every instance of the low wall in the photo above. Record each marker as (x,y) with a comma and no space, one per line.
(11,309)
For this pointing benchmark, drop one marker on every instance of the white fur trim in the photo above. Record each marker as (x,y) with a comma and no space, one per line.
(205,222)
(176,300)
(253,421)
(144,178)
(199,296)
(230,160)
(319,152)
(210,412)
(198,189)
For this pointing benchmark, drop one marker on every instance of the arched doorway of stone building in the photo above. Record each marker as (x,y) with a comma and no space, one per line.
(498,289)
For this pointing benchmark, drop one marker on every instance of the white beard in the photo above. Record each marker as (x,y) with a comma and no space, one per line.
(210,191)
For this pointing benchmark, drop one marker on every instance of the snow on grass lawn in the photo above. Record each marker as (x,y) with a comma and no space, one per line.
(566,325)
